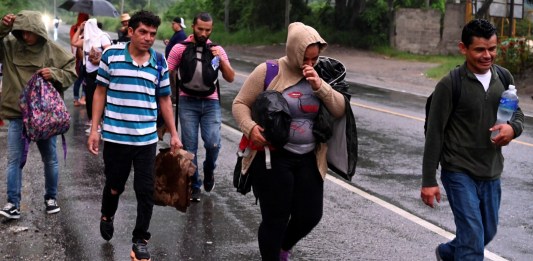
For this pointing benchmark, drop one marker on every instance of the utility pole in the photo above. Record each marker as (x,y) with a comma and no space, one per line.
(226,15)
(287,12)
(511,20)
(121,6)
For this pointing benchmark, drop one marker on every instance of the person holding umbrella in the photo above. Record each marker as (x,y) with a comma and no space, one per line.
(80,68)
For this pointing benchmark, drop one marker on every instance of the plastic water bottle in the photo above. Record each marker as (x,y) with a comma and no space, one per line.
(508,105)
(215,62)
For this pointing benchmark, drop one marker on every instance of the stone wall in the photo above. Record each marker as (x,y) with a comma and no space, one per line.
(454,21)
(417,30)
(420,31)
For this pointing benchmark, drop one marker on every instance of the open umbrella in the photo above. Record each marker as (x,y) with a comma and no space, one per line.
(92,7)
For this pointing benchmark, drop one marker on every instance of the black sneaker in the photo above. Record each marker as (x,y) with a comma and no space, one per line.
(10,211)
(106,228)
(209,182)
(51,206)
(195,196)
(140,250)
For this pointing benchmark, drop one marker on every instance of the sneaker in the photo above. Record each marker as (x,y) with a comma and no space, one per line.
(284,255)
(10,211)
(437,254)
(51,206)
(106,228)
(140,250)
(209,182)
(195,196)
(88,130)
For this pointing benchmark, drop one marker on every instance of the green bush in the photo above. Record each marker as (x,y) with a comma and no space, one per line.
(515,55)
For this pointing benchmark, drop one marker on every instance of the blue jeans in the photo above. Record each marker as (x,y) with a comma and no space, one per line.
(205,114)
(475,205)
(77,84)
(79,81)
(15,148)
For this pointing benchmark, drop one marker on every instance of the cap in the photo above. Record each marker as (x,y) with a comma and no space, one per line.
(179,21)
(124,17)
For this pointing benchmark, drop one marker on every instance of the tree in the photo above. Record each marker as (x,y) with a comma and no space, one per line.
(483,11)
(347,11)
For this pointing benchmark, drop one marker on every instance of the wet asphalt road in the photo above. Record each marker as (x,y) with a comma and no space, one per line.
(368,219)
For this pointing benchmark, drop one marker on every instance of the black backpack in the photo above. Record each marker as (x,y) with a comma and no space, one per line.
(456,89)
(188,67)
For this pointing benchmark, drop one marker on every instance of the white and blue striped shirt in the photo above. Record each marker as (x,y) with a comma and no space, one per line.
(131,108)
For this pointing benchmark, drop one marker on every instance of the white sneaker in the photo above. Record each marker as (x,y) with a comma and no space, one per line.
(10,211)
(88,130)
(51,206)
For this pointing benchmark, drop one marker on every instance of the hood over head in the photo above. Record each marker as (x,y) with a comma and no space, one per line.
(299,37)
(30,21)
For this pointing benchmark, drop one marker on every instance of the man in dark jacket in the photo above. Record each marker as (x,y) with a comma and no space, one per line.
(459,139)
(178,24)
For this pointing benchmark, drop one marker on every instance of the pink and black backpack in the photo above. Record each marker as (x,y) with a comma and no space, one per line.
(43,110)
(44,113)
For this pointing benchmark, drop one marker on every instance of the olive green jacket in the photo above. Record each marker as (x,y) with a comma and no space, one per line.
(460,141)
(20,61)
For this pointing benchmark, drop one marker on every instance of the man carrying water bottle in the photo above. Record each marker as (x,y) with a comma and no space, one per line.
(459,139)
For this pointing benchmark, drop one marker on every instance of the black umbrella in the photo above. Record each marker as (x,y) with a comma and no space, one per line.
(92,7)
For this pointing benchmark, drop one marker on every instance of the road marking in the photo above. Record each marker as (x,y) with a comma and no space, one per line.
(415,118)
(435,229)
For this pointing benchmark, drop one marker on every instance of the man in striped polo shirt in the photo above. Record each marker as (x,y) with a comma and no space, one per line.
(129,88)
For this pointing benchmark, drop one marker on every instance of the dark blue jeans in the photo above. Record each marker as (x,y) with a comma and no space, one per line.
(118,159)
(475,205)
(79,82)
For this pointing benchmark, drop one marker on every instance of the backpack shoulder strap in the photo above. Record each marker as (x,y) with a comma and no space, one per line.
(159,65)
(271,72)
(456,86)
(505,78)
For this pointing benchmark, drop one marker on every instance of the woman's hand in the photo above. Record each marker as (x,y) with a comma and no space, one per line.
(311,76)
(256,137)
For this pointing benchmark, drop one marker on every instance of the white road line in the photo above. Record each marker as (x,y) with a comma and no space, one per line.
(423,223)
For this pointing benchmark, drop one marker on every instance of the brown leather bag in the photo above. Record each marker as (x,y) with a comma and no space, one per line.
(172,180)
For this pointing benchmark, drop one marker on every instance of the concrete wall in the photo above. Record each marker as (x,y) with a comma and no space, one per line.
(419,30)
(454,21)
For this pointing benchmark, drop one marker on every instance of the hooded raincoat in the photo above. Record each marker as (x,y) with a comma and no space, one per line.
(299,37)
(21,61)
